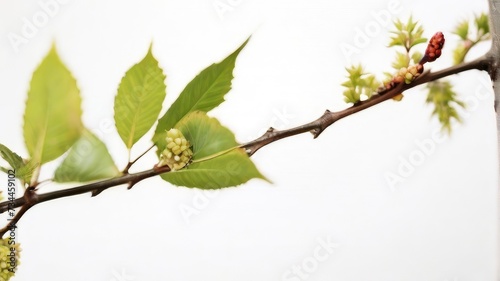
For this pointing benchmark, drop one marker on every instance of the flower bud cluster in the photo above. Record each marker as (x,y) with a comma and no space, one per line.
(434,48)
(409,74)
(406,75)
(9,259)
(178,153)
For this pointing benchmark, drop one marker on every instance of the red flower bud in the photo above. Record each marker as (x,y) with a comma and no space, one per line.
(434,48)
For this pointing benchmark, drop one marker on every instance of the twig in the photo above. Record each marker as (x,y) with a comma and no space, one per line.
(328,118)
(105,184)
(315,127)
(129,165)
(30,199)
(124,172)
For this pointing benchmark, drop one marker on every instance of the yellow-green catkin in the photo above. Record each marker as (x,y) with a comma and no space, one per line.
(178,153)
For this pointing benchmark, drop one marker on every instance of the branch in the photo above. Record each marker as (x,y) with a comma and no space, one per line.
(105,184)
(315,127)
(30,199)
(131,163)
(125,172)
(494,53)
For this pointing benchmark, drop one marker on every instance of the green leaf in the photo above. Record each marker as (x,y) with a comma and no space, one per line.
(355,71)
(23,169)
(230,169)
(460,52)
(217,162)
(410,25)
(87,160)
(359,83)
(445,101)
(397,39)
(139,99)
(416,57)
(26,172)
(205,92)
(15,161)
(398,24)
(370,85)
(462,30)
(206,135)
(347,84)
(52,118)
(402,60)
(351,96)
(418,41)
(482,24)
(407,35)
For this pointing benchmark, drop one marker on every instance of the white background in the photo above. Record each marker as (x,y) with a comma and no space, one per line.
(440,224)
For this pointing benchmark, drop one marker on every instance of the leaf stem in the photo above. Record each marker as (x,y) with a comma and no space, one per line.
(35,175)
(131,163)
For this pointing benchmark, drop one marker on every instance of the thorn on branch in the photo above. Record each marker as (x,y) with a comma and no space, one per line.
(131,184)
(96,192)
(316,132)
(268,133)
